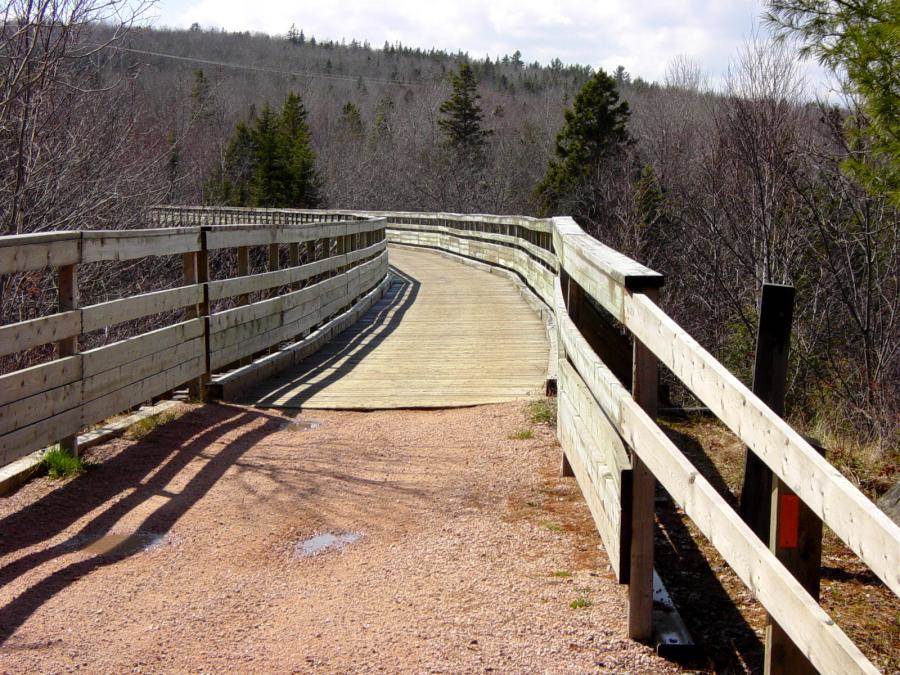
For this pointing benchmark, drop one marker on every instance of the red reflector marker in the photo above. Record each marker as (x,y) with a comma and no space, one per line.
(788,521)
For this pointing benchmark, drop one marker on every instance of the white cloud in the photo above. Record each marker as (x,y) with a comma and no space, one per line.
(642,35)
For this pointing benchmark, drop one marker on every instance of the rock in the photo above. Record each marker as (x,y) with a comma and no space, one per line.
(889,502)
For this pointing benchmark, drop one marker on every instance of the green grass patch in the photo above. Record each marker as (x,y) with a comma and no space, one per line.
(542,411)
(580,603)
(143,427)
(553,527)
(561,574)
(522,435)
(61,463)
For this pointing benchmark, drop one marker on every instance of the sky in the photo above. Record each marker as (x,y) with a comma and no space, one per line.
(642,35)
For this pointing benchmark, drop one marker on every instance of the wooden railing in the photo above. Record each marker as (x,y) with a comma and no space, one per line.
(612,335)
(607,406)
(332,264)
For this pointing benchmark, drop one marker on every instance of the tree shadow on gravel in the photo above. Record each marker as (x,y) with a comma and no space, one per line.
(140,472)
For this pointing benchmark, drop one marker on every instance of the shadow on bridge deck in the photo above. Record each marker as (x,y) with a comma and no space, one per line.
(444,335)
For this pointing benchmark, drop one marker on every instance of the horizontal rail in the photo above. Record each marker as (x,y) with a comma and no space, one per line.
(602,302)
(48,402)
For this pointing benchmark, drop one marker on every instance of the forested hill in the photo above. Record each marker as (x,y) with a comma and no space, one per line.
(208,81)
(720,191)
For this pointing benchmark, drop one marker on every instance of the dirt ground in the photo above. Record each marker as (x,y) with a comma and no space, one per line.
(471,551)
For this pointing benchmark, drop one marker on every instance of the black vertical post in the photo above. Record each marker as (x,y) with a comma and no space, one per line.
(773,341)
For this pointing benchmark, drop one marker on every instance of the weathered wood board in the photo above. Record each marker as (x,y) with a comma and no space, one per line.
(445,335)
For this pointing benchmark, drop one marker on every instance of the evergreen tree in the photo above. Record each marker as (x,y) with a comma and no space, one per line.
(861,39)
(201,93)
(302,180)
(174,162)
(238,167)
(351,121)
(269,180)
(594,131)
(462,116)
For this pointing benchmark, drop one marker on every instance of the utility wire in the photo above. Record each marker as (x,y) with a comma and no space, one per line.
(264,69)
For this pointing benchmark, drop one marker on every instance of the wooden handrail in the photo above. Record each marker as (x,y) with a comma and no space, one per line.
(600,421)
(52,401)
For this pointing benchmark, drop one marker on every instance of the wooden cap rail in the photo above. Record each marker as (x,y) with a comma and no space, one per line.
(52,401)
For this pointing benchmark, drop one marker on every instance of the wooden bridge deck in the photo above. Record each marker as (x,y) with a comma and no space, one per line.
(444,335)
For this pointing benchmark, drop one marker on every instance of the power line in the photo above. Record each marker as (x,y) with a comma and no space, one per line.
(279,71)
(264,69)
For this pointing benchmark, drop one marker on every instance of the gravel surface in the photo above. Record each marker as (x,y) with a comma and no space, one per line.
(471,551)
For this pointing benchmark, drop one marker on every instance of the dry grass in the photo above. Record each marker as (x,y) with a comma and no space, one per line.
(147,425)
(857,600)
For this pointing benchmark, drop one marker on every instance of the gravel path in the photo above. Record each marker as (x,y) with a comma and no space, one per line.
(471,551)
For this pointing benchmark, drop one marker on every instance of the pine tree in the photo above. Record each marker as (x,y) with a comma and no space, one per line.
(269,182)
(860,41)
(594,131)
(238,168)
(462,116)
(302,180)
(351,121)
(201,94)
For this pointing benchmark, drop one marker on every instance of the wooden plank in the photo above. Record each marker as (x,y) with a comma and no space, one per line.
(609,480)
(579,252)
(141,368)
(67,301)
(38,435)
(143,390)
(36,379)
(17,337)
(26,252)
(34,408)
(608,447)
(95,317)
(422,360)
(100,245)
(828,648)
(604,518)
(113,355)
(643,498)
(773,343)
(861,525)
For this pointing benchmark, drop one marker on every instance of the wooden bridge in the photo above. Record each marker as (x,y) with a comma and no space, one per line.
(458,310)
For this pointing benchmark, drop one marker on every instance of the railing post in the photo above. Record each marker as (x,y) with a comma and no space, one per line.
(796,540)
(574,299)
(195,266)
(68,300)
(274,263)
(768,506)
(773,342)
(640,585)
(294,255)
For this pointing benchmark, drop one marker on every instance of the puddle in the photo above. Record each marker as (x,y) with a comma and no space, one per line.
(300,425)
(120,544)
(324,542)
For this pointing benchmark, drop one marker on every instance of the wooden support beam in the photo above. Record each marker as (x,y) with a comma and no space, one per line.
(189,276)
(243,269)
(574,299)
(294,255)
(773,341)
(643,497)
(67,301)
(796,540)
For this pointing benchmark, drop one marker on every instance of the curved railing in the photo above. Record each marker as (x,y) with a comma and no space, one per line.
(334,270)
(612,335)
